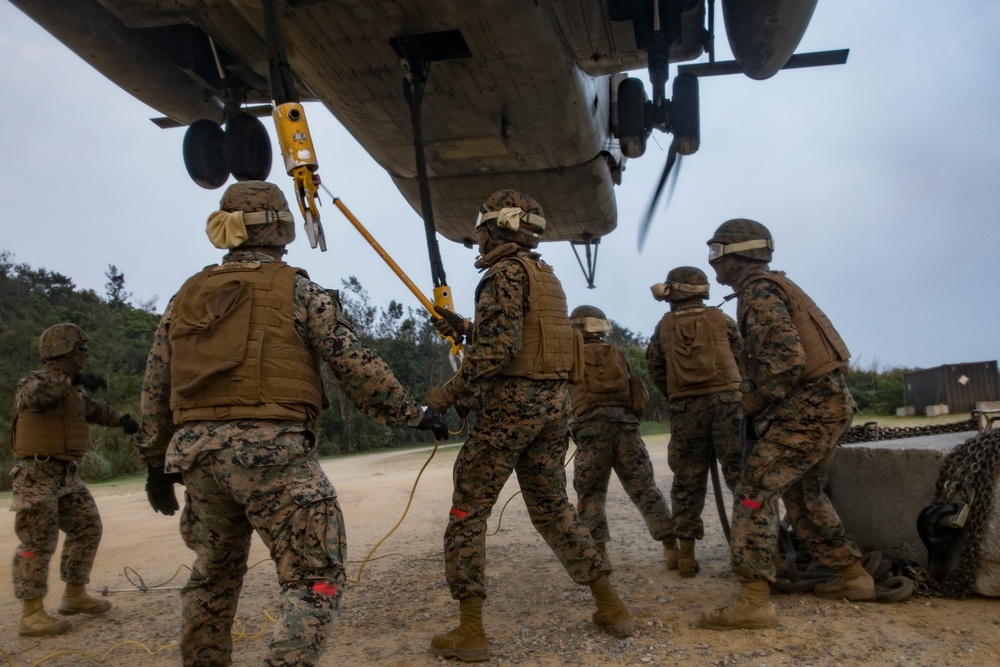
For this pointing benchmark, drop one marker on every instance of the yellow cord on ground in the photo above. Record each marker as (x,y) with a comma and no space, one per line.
(405,511)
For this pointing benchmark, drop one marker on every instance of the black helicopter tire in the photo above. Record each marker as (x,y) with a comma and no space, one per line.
(204,154)
(685,121)
(248,148)
(632,117)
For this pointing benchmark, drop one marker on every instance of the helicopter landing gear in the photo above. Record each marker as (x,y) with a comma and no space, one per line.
(242,149)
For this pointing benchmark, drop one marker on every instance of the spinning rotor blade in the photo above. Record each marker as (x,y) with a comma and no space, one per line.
(672,157)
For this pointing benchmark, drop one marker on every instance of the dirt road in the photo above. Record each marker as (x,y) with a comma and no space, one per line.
(534,616)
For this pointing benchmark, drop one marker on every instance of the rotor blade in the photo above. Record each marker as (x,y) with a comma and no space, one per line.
(672,157)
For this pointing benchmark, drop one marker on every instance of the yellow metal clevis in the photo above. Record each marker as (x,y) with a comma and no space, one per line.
(300,163)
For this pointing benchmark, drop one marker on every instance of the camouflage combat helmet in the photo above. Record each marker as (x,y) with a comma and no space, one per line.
(741,237)
(683,282)
(257,196)
(590,320)
(516,217)
(60,339)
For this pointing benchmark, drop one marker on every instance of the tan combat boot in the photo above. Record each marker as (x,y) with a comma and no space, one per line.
(36,623)
(467,642)
(687,564)
(752,609)
(670,553)
(854,584)
(611,613)
(76,601)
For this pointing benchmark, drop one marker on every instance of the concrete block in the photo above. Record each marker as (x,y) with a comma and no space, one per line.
(988,575)
(879,488)
(936,410)
(906,411)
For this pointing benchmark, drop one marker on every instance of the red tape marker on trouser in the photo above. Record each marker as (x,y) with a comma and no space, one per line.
(324,587)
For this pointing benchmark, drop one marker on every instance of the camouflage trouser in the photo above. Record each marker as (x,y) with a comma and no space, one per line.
(790,462)
(521,426)
(48,497)
(699,427)
(605,446)
(283,494)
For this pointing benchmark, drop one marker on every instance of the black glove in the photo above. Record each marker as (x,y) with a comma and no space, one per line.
(129,424)
(450,324)
(90,381)
(160,489)
(434,422)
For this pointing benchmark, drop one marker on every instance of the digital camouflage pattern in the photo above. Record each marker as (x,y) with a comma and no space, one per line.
(520,425)
(49,496)
(60,339)
(700,427)
(740,230)
(252,196)
(607,438)
(278,489)
(513,199)
(245,476)
(798,425)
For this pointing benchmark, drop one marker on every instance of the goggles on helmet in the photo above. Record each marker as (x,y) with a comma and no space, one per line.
(717,250)
(514,219)
(592,325)
(83,347)
(663,291)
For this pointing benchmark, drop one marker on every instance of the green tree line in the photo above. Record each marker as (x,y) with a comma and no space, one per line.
(32,299)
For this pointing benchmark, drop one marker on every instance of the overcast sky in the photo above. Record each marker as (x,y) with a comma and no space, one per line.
(878,180)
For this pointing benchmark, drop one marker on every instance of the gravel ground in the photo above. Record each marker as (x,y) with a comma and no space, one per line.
(534,616)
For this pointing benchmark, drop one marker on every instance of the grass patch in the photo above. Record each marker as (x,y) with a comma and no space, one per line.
(654,428)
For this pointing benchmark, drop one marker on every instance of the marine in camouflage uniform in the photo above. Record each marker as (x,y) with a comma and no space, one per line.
(799,404)
(607,406)
(514,377)
(693,360)
(231,393)
(50,438)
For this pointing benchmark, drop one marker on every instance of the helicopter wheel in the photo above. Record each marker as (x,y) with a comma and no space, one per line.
(247,148)
(684,114)
(632,117)
(204,156)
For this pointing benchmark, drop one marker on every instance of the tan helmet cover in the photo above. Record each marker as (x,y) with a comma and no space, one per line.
(60,339)
(253,213)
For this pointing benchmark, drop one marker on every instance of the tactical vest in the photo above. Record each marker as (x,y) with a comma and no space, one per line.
(547,337)
(60,432)
(605,380)
(824,350)
(695,344)
(235,353)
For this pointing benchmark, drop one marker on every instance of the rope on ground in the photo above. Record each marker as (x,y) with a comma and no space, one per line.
(798,577)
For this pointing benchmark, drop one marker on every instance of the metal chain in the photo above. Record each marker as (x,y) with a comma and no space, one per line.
(872,432)
(968,475)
